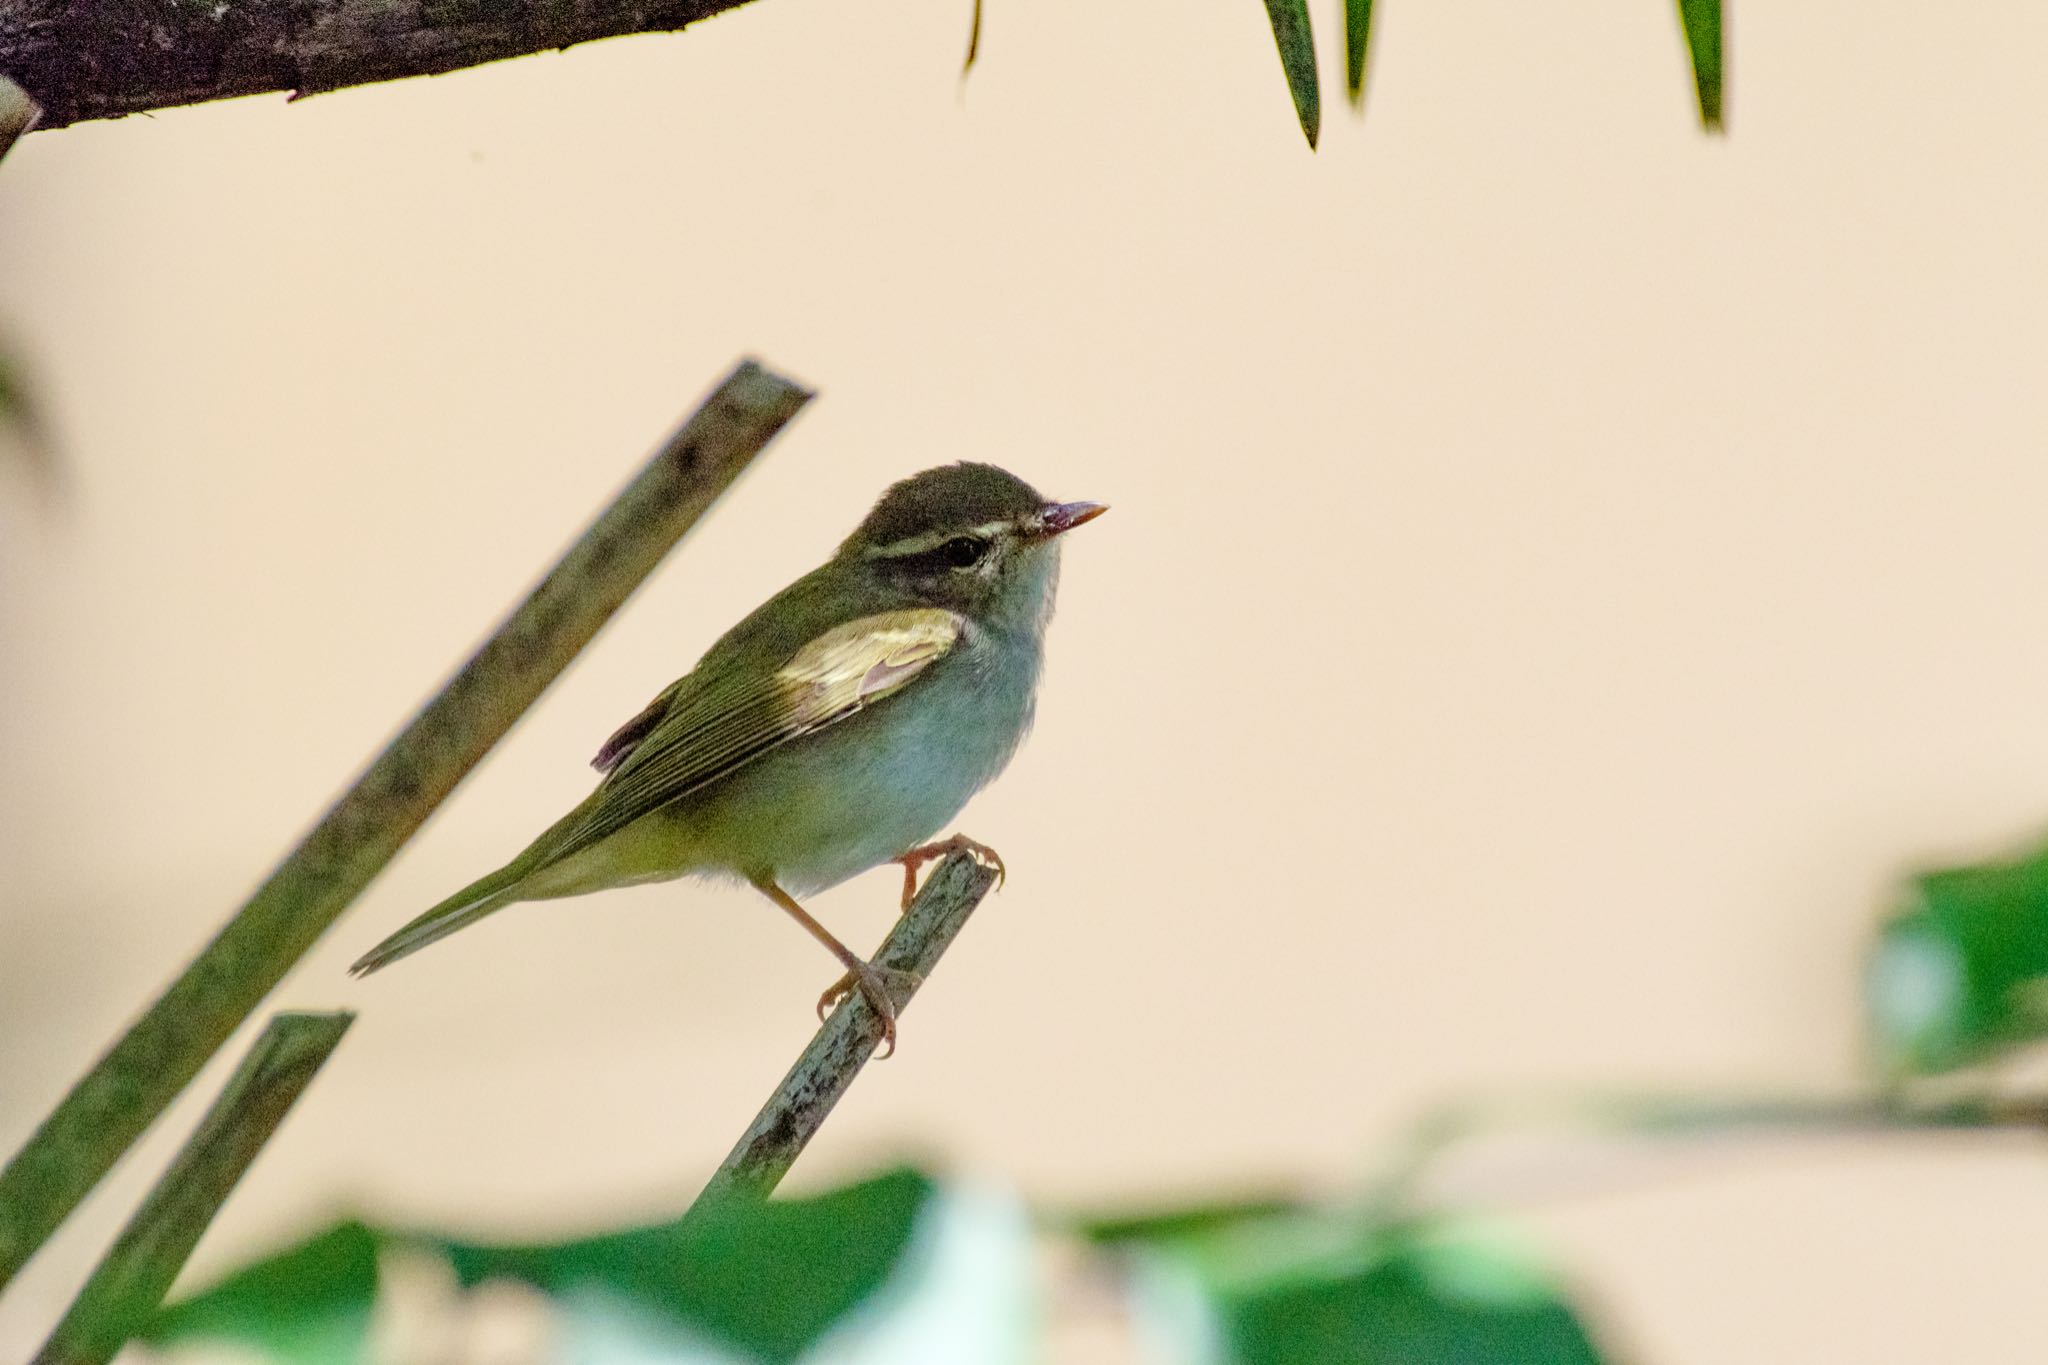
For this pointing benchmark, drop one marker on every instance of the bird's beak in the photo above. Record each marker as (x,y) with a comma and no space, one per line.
(1058,518)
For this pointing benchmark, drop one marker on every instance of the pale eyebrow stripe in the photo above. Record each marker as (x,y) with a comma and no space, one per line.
(932,540)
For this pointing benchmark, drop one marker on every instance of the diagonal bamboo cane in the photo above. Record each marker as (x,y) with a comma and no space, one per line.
(128,1087)
(138,1269)
(845,1041)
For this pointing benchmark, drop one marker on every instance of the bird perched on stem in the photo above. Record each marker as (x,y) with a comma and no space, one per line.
(836,728)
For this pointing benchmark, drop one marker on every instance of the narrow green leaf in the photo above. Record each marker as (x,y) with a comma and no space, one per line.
(309,1304)
(768,1277)
(1702,22)
(1181,1222)
(1298,59)
(1960,974)
(1357,38)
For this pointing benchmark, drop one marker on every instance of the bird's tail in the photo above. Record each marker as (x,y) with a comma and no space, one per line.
(465,907)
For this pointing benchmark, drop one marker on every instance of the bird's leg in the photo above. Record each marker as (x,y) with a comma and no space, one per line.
(870,980)
(959,843)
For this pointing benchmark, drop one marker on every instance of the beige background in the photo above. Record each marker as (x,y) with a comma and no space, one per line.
(1563,567)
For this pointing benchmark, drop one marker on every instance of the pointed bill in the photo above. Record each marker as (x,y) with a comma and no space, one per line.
(1058,518)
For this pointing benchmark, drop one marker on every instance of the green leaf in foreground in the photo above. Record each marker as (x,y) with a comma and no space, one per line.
(1329,1288)
(1424,1303)
(1701,20)
(1357,38)
(1298,59)
(309,1304)
(766,1277)
(1960,973)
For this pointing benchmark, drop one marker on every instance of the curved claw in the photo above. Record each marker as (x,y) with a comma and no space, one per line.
(959,843)
(874,985)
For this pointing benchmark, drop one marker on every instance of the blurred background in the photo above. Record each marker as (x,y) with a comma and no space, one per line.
(1564,567)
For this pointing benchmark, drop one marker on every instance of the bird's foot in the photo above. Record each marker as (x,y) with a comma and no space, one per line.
(880,986)
(959,843)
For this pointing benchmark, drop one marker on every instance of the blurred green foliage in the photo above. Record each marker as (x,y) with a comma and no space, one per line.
(310,1303)
(847,1275)
(768,1278)
(1182,1222)
(1960,971)
(1417,1303)
(903,1267)
(1255,1282)
(1242,1285)
(24,434)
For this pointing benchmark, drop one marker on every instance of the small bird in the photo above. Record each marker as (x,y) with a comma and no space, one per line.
(837,728)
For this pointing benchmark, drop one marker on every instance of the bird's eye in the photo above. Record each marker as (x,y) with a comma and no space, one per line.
(963,552)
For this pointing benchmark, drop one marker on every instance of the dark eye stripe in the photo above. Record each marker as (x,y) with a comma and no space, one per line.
(941,559)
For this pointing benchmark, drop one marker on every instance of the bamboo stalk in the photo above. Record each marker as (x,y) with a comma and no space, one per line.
(138,1269)
(124,1092)
(845,1041)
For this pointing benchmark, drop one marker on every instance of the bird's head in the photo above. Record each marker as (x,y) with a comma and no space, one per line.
(970,538)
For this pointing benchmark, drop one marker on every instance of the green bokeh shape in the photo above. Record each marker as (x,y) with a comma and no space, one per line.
(768,1278)
(310,1304)
(1404,1310)
(1991,922)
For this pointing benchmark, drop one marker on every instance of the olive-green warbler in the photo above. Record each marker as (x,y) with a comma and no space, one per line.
(838,727)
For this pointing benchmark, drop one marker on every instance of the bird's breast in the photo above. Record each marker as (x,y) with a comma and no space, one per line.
(825,807)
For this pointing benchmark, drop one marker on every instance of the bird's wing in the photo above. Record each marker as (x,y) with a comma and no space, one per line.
(699,731)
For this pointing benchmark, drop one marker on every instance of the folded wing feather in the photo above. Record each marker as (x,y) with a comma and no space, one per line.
(691,736)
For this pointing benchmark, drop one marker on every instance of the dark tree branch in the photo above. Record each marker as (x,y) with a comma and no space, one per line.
(88,59)
(128,1087)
